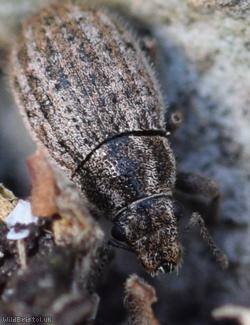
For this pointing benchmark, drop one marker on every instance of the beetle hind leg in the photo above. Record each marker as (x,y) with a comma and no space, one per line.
(200,192)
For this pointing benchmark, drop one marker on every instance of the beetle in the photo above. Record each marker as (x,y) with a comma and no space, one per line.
(89,94)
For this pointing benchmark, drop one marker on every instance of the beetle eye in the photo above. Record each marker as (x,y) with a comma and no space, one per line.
(118,233)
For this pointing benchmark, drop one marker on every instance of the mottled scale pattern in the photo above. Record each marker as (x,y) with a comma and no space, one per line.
(81,79)
(118,174)
(88,94)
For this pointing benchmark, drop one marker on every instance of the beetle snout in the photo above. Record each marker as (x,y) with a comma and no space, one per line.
(169,267)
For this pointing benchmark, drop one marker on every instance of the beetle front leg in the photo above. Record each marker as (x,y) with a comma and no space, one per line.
(220,257)
(195,189)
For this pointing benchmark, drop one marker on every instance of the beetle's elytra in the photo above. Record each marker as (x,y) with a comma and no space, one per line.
(89,95)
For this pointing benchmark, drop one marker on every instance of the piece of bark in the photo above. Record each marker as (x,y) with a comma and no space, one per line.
(139,298)
(47,290)
(44,188)
(62,283)
(53,194)
(8,201)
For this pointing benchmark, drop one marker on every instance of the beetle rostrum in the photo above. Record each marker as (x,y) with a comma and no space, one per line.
(89,95)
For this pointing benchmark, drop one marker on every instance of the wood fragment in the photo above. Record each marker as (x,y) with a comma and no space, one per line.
(8,201)
(44,188)
(139,298)
(54,195)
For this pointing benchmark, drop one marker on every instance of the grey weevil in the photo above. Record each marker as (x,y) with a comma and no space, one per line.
(89,95)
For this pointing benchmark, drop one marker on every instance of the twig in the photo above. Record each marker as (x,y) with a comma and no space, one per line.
(21,249)
(138,300)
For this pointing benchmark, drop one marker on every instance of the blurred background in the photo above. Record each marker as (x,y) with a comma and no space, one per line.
(203,63)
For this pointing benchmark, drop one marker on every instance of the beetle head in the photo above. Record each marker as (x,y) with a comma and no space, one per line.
(149,227)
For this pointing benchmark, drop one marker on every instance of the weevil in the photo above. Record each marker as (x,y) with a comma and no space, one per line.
(90,96)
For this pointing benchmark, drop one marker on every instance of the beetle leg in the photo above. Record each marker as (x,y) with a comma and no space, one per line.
(174,121)
(195,188)
(179,210)
(117,244)
(220,257)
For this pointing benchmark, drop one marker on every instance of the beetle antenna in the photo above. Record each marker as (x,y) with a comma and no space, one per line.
(116,244)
